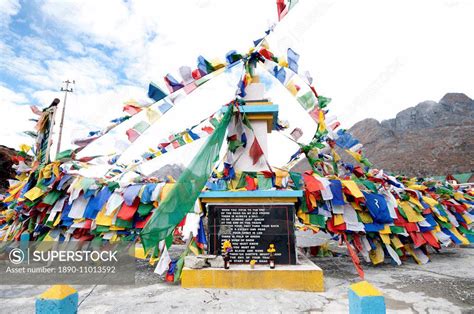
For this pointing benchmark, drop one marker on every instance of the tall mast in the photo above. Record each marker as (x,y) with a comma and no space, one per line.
(66,90)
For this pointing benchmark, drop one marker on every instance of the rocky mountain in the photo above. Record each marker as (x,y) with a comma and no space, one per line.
(432,138)
(6,170)
(173,170)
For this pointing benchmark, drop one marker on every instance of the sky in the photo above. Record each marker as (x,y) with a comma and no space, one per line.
(373,58)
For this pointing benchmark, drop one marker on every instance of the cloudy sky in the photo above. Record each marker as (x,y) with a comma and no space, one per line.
(373,58)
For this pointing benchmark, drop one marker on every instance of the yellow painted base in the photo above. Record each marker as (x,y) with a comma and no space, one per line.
(306,276)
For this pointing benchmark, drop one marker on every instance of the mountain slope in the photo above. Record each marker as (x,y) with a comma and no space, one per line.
(432,138)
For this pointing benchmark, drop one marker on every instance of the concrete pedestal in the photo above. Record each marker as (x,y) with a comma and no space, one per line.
(305,276)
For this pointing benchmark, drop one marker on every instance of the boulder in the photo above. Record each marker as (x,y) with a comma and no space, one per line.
(194,262)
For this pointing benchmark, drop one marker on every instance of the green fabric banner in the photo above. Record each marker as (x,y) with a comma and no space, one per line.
(186,190)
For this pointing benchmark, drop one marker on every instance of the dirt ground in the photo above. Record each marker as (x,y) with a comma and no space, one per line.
(444,285)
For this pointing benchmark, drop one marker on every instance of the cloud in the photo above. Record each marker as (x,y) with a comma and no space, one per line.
(11,131)
(8,8)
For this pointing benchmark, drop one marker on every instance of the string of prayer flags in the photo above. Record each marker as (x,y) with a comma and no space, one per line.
(186,190)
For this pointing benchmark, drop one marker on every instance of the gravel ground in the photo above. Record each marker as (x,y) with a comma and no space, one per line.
(445,285)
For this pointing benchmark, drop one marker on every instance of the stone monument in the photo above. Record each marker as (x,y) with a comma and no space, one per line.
(254,220)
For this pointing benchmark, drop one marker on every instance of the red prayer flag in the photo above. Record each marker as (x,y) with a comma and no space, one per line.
(208,129)
(428,236)
(255,151)
(251,186)
(354,257)
(132,135)
(131,109)
(127,212)
(311,183)
(140,224)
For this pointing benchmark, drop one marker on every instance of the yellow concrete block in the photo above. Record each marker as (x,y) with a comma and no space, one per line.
(365,289)
(304,277)
(58,292)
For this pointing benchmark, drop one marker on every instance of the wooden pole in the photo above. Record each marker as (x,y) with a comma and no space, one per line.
(61,124)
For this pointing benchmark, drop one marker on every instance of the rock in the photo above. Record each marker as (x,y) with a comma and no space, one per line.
(194,262)
(206,256)
(173,170)
(432,138)
(6,163)
(217,262)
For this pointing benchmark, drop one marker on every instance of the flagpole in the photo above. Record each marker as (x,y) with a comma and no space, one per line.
(66,90)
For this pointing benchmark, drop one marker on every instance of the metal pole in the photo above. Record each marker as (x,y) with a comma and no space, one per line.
(61,124)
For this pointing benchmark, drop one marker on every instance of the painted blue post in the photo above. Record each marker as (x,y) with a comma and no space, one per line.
(365,299)
(59,299)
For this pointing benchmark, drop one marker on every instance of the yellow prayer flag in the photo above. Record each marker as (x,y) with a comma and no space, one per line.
(25,148)
(321,122)
(152,115)
(34,193)
(291,87)
(396,242)
(430,201)
(14,191)
(312,199)
(282,62)
(385,238)
(356,206)
(417,187)
(365,217)
(355,155)
(102,219)
(412,215)
(467,219)
(352,187)
(56,222)
(279,176)
(115,228)
(303,216)
(166,190)
(458,196)
(187,138)
(377,255)
(386,230)
(338,219)
(335,155)
(139,252)
(410,251)
(416,202)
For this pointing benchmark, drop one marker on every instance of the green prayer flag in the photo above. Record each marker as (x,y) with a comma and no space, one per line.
(323,101)
(52,197)
(264,183)
(297,179)
(370,185)
(65,154)
(307,100)
(186,190)
(397,229)
(124,223)
(144,209)
(141,126)
(318,220)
